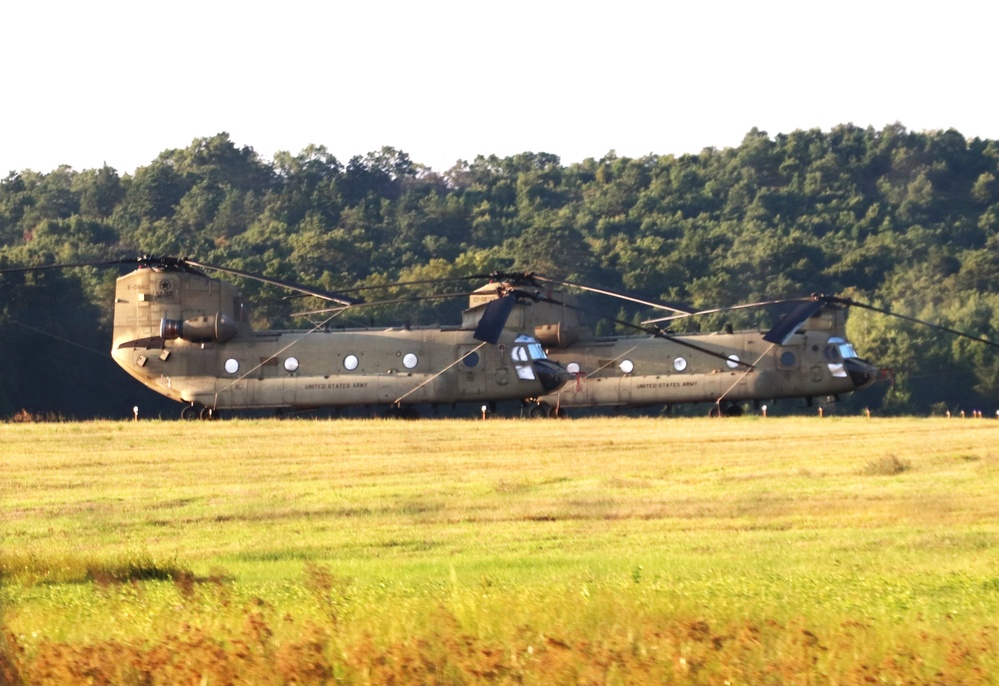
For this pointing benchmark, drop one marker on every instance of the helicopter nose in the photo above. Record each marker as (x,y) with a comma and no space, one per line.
(862,373)
(551,375)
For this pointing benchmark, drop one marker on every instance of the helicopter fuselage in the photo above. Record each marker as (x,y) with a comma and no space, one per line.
(668,368)
(188,336)
(634,370)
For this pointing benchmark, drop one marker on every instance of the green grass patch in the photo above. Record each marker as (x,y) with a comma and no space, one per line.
(760,551)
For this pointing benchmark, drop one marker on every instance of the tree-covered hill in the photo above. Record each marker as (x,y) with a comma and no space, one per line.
(903,219)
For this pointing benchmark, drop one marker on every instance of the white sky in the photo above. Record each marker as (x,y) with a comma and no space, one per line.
(95,81)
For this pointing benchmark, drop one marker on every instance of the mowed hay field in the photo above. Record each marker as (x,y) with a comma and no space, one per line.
(620,551)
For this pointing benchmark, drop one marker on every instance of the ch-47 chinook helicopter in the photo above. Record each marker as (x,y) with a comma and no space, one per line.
(188,336)
(805,355)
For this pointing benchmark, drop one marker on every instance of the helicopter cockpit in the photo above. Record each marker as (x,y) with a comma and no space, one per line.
(526,350)
(531,362)
(839,349)
(843,361)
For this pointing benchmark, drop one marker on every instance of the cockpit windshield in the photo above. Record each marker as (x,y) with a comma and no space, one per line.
(839,349)
(533,348)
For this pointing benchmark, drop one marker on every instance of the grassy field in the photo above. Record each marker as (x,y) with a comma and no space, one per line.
(622,551)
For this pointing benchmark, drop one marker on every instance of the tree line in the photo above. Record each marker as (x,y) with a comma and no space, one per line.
(902,219)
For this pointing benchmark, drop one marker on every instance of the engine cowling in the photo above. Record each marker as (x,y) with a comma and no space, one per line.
(217,328)
(557,334)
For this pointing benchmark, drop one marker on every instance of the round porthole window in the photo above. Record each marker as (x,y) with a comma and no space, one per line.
(409,360)
(572,368)
(788,359)
(733,361)
(627,366)
(232,365)
(471,360)
(679,364)
(350,363)
(291,364)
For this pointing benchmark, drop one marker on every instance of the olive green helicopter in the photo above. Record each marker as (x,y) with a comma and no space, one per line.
(188,336)
(805,355)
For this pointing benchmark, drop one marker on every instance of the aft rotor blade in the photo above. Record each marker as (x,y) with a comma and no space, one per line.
(315,292)
(654,331)
(71,265)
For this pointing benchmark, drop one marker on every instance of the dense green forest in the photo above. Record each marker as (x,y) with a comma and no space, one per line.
(905,220)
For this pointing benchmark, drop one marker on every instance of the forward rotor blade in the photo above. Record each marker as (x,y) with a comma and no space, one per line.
(493,276)
(415,282)
(494,318)
(613,294)
(781,332)
(393,301)
(792,321)
(717,310)
(853,303)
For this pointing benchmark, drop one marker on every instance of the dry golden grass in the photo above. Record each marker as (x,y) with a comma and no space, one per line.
(585,551)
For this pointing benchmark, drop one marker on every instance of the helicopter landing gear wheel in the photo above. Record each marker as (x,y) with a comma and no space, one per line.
(539,410)
(401,413)
(726,410)
(192,412)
